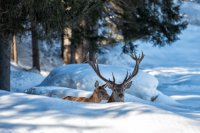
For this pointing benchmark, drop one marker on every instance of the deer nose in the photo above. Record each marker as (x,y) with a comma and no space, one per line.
(121,95)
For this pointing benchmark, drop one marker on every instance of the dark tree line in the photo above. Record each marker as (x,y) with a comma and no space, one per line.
(77,24)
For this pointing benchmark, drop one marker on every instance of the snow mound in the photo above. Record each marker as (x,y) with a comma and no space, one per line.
(21,113)
(22,79)
(82,76)
(57,92)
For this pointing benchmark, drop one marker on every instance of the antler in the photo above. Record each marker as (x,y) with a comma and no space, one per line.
(128,77)
(95,67)
(135,70)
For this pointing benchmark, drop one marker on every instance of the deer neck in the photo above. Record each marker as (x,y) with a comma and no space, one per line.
(94,97)
(111,99)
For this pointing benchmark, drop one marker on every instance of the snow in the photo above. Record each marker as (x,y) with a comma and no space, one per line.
(172,73)
(22,79)
(26,113)
(82,76)
(176,109)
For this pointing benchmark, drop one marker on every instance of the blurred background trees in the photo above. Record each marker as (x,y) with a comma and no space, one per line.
(84,25)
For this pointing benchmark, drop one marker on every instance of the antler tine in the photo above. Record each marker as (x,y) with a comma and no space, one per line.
(127,75)
(136,67)
(141,57)
(113,78)
(133,56)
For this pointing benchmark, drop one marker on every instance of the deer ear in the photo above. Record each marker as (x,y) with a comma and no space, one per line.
(96,84)
(128,85)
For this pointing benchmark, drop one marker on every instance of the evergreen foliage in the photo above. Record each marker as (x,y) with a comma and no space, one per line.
(158,21)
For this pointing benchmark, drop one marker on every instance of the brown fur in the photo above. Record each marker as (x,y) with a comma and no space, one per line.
(111,99)
(99,94)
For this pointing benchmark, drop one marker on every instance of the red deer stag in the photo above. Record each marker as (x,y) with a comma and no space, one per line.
(99,94)
(118,89)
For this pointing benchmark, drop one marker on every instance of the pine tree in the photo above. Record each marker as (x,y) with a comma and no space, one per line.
(126,20)
(82,20)
(157,21)
(46,18)
(10,22)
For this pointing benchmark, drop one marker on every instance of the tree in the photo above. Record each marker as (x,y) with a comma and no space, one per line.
(16,17)
(46,18)
(124,20)
(81,32)
(157,21)
(10,12)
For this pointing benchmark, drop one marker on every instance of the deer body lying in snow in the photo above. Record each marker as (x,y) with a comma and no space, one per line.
(118,89)
(98,95)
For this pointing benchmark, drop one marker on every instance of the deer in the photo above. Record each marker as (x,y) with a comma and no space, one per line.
(118,90)
(98,95)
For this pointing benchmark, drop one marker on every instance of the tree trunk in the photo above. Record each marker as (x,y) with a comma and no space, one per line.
(72,53)
(62,48)
(14,49)
(66,45)
(82,50)
(86,43)
(92,42)
(5,62)
(35,46)
(74,42)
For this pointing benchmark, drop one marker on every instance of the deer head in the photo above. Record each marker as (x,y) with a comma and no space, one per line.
(118,89)
(101,92)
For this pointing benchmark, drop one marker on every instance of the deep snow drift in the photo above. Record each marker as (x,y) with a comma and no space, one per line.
(33,114)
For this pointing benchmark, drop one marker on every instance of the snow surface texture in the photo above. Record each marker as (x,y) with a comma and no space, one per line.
(82,76)
(22,79)
(22,113)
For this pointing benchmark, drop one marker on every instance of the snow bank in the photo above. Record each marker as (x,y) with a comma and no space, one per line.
(58,92)
(22,79)
(82,76)
(33,114)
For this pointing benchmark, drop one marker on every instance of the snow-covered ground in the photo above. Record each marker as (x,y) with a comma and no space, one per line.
(176,110)
(21,113)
